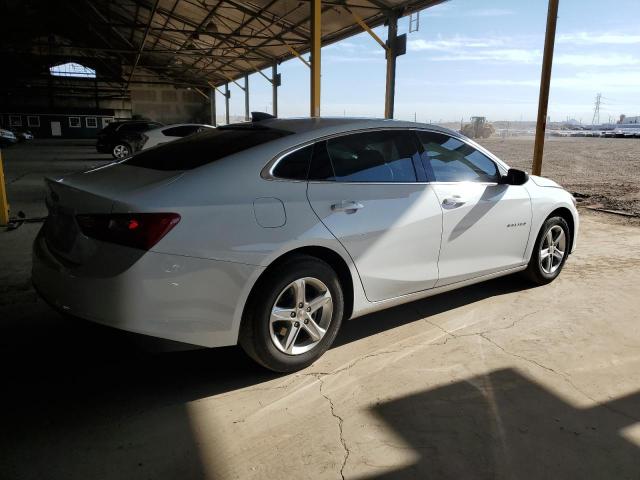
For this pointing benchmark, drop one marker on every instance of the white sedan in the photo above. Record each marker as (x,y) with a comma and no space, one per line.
(168,133)
(271,233)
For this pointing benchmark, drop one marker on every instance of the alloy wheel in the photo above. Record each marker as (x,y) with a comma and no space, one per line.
(552,249)
(301,316)
(120,151)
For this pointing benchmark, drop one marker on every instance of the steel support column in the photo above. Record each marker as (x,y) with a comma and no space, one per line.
(316,37)
(274,88)
(390,92)
(545,81)
(247,116)
(4,206)
(227,95)
(212,105)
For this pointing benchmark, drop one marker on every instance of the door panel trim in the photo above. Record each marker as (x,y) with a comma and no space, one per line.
(411,297)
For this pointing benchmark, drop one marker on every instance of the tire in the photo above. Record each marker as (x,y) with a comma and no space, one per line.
(267,325)
(539,270)
(121,150)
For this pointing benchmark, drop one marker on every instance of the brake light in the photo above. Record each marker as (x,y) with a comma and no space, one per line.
(135,230)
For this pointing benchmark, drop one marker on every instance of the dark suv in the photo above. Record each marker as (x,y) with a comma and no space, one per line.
(117,137)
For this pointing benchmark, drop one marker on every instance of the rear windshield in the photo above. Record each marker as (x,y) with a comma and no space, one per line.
(205,147)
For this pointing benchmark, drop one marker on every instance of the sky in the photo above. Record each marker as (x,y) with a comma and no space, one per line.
(476,58)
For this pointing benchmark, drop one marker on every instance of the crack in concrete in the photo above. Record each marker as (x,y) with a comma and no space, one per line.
(483,334)
(565,377)
(449,335)
(340,420)
(352,364)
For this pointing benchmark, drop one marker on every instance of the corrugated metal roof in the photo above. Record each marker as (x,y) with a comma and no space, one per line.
(186,41)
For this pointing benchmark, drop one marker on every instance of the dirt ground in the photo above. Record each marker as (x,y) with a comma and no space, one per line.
(605,169)
(494,381)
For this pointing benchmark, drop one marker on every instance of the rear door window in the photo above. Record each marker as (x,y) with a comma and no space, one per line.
(378,156)
(205,147)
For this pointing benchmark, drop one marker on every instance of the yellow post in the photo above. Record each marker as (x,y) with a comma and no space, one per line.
(390,91)
(316,37)
(4,206)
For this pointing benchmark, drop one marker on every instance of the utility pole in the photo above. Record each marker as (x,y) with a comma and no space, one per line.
(596,110)
(545,81)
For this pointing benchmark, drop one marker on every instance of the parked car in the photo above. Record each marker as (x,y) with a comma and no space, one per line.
(7,138)
(158,136)
(22,134)
(271,233)
(117,137)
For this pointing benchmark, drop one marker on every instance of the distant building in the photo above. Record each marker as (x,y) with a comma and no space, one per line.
(64,123)
(624,120)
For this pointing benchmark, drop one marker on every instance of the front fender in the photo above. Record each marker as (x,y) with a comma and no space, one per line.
(545,201)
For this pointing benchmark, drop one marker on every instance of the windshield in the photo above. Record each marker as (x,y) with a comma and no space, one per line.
(205,147)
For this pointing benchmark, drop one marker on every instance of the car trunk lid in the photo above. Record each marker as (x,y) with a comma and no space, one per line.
(93,192)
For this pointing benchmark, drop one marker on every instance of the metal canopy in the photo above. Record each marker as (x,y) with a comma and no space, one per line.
(182,42)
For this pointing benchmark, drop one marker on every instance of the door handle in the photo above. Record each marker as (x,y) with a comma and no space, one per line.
(346,206)
(453,201)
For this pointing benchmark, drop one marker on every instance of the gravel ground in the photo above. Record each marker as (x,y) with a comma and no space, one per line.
(607,170)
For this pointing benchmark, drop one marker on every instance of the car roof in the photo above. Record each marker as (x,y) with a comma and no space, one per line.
(330,125)
(310,129)
(187,125)
(161,128)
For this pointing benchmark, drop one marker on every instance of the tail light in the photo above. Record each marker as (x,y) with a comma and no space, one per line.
(135,230)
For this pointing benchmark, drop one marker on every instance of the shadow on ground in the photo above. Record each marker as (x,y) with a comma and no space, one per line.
(75,390)
(504,425)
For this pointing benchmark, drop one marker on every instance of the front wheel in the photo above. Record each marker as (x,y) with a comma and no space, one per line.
(294,315)
(550,251)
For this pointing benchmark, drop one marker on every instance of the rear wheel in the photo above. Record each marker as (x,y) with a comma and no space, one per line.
(294,315)
(550,251)
(121,150)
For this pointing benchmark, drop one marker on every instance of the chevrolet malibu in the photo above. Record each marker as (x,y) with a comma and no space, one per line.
(271,233)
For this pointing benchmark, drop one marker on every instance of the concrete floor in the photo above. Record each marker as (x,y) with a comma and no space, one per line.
(497,380)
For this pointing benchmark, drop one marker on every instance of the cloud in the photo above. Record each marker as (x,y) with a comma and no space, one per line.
(596,60)
(501,82)
(503,55)
(454,43)
(343,45)
(514,50)
(590,38)
(599,81)
(353,59)
(489,12)
(592,82)
(449,9)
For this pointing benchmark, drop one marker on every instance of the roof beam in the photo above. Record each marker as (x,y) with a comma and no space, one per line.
(144,40)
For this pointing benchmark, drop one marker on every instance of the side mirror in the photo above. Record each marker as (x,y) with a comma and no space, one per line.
(515,177)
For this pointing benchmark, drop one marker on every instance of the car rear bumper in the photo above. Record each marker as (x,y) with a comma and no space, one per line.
(185,299)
